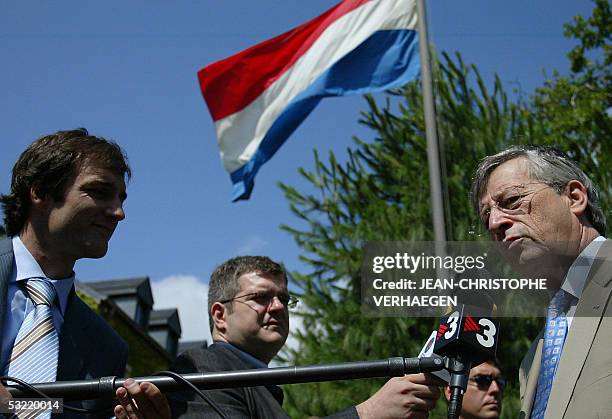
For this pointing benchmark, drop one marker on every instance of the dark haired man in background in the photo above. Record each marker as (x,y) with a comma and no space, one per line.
(66,199)
(248,310)
(248,305)
(544,212)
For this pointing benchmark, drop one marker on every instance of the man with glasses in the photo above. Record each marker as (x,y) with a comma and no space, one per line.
(483,397)
(544,212)
(248,305)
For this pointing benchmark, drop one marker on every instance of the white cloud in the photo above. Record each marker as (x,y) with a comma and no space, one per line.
(252,246)
(190,296)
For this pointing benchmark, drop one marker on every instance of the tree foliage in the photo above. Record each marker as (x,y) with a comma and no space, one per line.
(575,111)
(380,191)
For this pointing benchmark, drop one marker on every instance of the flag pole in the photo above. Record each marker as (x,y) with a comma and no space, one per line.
(431,135)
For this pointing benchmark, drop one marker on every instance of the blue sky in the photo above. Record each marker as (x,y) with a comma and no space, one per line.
(127,71)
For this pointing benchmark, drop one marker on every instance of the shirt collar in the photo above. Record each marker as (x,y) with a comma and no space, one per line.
(275,390)
(27,268)
(250,359)
(575,280)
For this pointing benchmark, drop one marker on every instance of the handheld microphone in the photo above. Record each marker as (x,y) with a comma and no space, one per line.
(467,336)
(105,387)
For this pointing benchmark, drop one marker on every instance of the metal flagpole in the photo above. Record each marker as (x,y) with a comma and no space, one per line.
(433,156)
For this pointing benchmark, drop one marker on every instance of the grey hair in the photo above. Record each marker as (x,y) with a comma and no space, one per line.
(547,165)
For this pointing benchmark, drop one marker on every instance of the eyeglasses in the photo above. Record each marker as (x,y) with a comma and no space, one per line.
(484,381)
(265,298)
(512,201)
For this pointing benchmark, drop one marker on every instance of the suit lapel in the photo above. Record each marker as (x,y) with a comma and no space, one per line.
(6,267)
(582,332)
(74,343)
(532,360)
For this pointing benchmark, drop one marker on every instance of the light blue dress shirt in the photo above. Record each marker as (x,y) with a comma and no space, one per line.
(18,305)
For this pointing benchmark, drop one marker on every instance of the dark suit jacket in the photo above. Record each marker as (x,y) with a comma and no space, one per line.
(88,346)
(583,381)
(246,402)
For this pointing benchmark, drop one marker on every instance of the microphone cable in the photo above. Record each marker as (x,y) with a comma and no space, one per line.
(179,379)
(176,377)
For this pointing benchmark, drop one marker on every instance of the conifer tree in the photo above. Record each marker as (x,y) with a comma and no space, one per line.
(380,191)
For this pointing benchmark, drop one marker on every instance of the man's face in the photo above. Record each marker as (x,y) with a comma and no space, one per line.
(259,321)
(483,397)
(80,225)
(528,218)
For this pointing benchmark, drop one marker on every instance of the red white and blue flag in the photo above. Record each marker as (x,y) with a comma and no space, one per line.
(259,96)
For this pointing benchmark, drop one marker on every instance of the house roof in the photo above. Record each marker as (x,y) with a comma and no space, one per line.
(169,317)
(113,288)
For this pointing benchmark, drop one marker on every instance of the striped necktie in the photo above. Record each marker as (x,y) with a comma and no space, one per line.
(34,355)
(554,337)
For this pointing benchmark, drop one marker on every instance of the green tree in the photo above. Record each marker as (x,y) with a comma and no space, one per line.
(381,192)
(575,111)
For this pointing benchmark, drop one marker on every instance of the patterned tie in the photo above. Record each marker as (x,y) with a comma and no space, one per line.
(554,337)
(34,355)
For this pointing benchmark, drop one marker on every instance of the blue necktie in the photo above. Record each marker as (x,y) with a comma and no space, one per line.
(35,352)
(554,337)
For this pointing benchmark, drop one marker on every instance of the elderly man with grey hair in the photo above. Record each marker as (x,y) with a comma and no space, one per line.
(544,212)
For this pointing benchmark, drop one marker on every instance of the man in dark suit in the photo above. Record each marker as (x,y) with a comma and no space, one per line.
(248,306)
(66,200)
(544,211)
